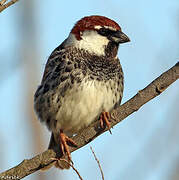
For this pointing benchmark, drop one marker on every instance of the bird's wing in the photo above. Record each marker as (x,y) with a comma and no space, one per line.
(50,65)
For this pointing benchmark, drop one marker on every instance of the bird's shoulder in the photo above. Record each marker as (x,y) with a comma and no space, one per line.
(55,58)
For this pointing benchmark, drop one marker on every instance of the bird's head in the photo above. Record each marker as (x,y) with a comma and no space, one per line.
(98,35)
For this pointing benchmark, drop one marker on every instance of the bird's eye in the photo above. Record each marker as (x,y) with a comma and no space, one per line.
(105,32)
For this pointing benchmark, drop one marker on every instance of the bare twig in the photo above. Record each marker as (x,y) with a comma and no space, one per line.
(4,5)
(73,168)
(102,174)
(88,134)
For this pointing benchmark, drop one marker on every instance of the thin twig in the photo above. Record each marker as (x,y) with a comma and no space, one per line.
(102,174)
(4,6)
(73,168)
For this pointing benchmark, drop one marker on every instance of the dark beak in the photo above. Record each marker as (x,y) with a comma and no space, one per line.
(120,37)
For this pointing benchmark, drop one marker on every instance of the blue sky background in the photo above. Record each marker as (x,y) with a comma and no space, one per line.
(143,146)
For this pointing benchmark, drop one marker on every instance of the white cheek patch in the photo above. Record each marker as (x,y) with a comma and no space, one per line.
(90,41)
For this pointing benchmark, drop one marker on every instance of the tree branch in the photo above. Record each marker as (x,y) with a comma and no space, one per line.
(4,5)
(85,136)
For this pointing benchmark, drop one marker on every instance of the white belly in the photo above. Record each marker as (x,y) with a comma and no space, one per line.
(82,104)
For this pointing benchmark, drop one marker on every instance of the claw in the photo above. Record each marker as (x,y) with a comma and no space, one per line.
(64,142)
(104,120)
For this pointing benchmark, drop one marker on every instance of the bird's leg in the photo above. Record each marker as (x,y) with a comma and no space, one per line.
(104,120)
(64,141)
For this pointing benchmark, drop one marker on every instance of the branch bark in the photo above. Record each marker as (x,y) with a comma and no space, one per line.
(88,134)
(4,5)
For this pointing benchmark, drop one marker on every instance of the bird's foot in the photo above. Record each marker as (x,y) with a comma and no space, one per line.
(104,120)
(65,141)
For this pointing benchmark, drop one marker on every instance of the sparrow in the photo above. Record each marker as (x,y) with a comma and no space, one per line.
(82,81)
